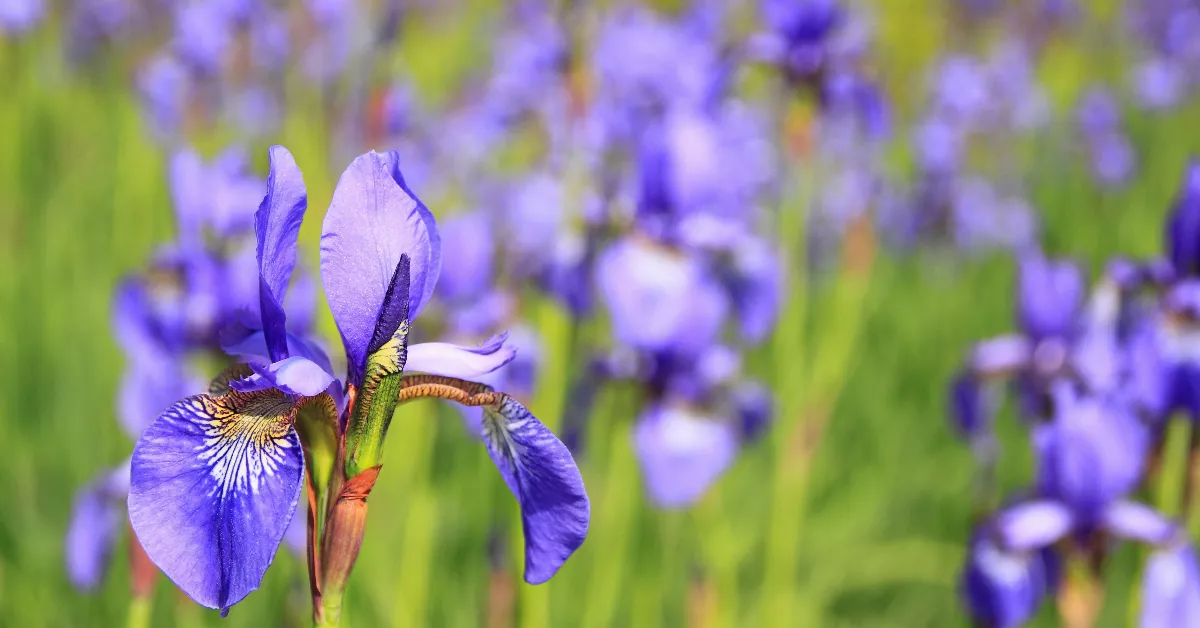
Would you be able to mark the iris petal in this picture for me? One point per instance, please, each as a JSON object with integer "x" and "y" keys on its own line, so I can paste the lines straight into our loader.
{"x": 277, "y": 225}
{"x": 295, "y": 376}
{"x": 1138, "y": 522}
{"x": 95, "y": 521}
{"x": 1033, "y": 525}
{"x": 373, "y": 220}
{"x": 541, "y": 473}
{"x": 214, "y": 484}
{"x": 682, "y": 453}
{"x": 443, "y": 358}
{"x": 255, "y": 346}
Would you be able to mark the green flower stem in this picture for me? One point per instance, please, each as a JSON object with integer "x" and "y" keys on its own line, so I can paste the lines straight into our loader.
{"x": 139, "y": 612}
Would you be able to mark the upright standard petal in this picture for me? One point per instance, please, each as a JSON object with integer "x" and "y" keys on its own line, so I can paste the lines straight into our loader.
{"x": 214, "y": 484}
{"x": 277, "y": 225}
{"x": 372, "y": 221}
{"x": 541, "y": 473}
{"x": 1050, "y": 294}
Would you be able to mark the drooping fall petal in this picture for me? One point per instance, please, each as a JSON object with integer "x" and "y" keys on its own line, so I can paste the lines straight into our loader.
{"x": 214, "y": 484}
{"x": 543, "y": 476}
{"x": 277, "y": 225}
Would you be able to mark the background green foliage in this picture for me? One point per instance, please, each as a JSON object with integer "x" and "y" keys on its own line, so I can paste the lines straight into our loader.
{"x": 852, "y": 513}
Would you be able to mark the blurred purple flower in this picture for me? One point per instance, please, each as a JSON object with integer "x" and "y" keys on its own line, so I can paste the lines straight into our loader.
{"x": 18, "y": 16}
{"x": 981, "y": 218}
{"x": 1090, "y": 455}
{"x": 270, "y": 41}
{"x": 1089, "y": 458}
{"x": 468, "y": 273}
{"x": 682, "y": 452}
{"x": 659, "y": 298}
{"x": 220, "y": 195}
{"x": 528, "y": 60}
{"x": 1003, "y": 589}
{"x": 534, "y": 216}
{"x": 800, "y": 33}
{"x": 1097, "y": 112}
{"x": 754, "y": 280}
{"x": 164, "y": 85}
{"x": 754, "y": 407}
{"x": 1112, "y": 159}
{"x": 643, "y": 63}
{"x": 961, "y": 90}
{"x": 938, "y": 145}
{"x": 203, "y": 34}
{"x": 1171, "y": 588}
{"x": 1183, "y": 225}
{"x": 972, "y": 407}
{"x": 1050, "y": 294}
{"x": 1159, "y": 83}
{"x": 97, "y": 518}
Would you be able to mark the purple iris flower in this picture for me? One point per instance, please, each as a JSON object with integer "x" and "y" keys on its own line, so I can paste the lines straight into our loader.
{"x": 1049, "y": 297}
{"x": 1002, "y": 588}
{"x": 164, "y": 85}
{"x": 468, "y": 274}
{"x": 18, "y": 16}
{"x": 800, "y": 35}
{"x": 219, "y": 195}
{"x": 1112, "y": 158}
{"x": 1098, "y": 112}
{"x": 97, "y": 519}
{"x": 1112, "y": 155}
{"x": 1183, "y": 226}
{"x": 660, "y": 298}
{"x": 642, "y": 64}
{"x": 1171, "y": 588}
{"x": 982, "y": 218}
{"x": 216, "y": 479}
{"x": 1159, "y": 83}
{"x": 153, "y": 341}
{"x": 711, "y": 160}
{"x": 972, "y": 406}
{"x": 1090, "y": 457}
{"x": 530, "y": 56}
{"x": 203, "y": 34}
{"x": 682, "y": 451}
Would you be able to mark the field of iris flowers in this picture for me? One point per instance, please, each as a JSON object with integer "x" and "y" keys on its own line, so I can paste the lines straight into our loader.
{"x": 848, "y": 313}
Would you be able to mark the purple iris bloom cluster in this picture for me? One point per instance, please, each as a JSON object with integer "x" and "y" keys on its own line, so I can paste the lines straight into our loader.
{"x": 1096, "y": 379}
{"x": 1110, "y": 152}
{"x": 683, "y": 275}
{"x": 973, "y": 101}
{"x": 819, "y": 46}
{"x": 217, "y": 63}
{"x": 1168, "y": 32}
{"x": 643, "y": 206}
